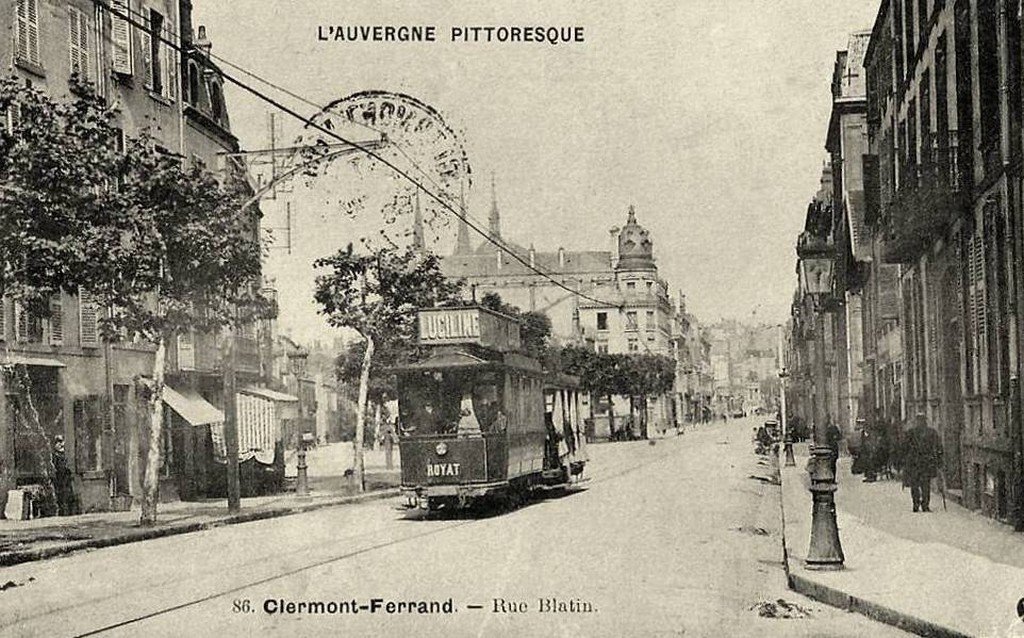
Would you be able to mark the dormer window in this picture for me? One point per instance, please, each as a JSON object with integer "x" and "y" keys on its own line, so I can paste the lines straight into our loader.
{"x": 193, "y": 83}
{"x": 216, "y": 100}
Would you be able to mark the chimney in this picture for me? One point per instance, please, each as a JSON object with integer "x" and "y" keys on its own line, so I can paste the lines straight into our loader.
{"x": 561, "y": 257}
{"x": 500, "y": 255}
{"x": 533, "y": 256}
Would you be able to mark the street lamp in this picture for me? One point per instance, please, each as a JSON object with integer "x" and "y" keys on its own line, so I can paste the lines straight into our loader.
{"x": 817, "y": 258}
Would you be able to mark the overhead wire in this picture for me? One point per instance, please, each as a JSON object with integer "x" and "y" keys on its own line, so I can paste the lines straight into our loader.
{"x": 367, "y": 151}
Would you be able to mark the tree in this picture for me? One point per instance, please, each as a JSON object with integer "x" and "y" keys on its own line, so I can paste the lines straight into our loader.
{"x": 164, "y": 248}
{"x": 376, "y": 294}
{"x": 646, "y": 375}
{"x": 534, "y": 326}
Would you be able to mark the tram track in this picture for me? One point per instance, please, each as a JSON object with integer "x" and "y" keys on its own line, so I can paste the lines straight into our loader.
{"x": 447, "y": 525}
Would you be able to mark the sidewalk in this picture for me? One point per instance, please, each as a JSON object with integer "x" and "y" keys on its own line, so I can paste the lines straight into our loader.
{"x": 945, "y": 573}
{"x": 42, "y": 538}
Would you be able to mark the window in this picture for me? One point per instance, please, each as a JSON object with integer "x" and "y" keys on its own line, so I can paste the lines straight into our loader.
{"x": 217, "y": 103}
{"x": 633, "y": 345}
{"x": 121, "y": 37}
{"x": 193, "y": 83}
{"x": 650, "y": 286}
{"x": 152, "y": 65}
{"x": 78, "y": 43}
{"x": 602, "y": 348}
{"x": 28, "y": 323}
{"x": 650, "y": 320}
{"x": 88, "y": 328}
{"x": 56, "y": 322}
{"x": 26, "y": 32}
{"x": 630, "y": 285}
{"x": 602, "y": 321}
{"x": 631, "y": 320}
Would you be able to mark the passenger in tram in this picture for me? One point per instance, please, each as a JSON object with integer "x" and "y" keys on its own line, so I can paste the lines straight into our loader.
{"x": 468, "y": 423}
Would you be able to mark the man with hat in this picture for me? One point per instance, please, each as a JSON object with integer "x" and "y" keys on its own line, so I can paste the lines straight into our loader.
{"x": 922, "y": 459}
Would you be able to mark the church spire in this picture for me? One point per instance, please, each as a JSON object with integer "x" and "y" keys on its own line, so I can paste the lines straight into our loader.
{"x": 494, "y": 221}
{"x": 462, "y": 245}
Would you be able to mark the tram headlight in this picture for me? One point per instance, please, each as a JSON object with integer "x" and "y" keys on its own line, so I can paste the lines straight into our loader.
{"x": 441, "y": 449}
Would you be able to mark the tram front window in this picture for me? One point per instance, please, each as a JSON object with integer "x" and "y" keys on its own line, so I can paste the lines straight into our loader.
{"x": 448, "y": 402}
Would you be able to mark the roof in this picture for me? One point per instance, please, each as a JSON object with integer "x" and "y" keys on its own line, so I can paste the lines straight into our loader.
{"x": 192, "y": 407}
{"x": 482, "y": 265}
{"x": 273, "y": 395}
{"x": 457, "y": 359}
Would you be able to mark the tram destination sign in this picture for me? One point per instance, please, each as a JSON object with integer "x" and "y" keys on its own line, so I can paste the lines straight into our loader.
{"x": 443, "y": 326}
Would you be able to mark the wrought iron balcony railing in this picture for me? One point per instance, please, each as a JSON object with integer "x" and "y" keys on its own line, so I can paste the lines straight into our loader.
{"x": 931, "y": 195}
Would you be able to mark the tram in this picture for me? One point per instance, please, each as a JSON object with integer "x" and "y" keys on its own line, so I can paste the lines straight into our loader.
{"x": 478, "y": 419}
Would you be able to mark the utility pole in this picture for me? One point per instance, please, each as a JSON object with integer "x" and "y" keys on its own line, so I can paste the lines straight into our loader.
{"x": 787, "y": 445}
{"x": 231, "y": 423}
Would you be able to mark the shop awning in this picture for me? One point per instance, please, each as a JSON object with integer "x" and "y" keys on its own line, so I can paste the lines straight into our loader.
{"x": 32, "y": 361}
{"x": 192, "y": 407}
{"x": 273, "y": 395}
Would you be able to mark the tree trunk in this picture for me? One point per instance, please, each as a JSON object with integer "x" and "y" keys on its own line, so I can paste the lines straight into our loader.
{"x": 6, "y": 445}
{"x": 151, "y": 476}
{"x": 611, "y": 416}
{"x": 376, "y": 426}
{"x": 364, "y": 382}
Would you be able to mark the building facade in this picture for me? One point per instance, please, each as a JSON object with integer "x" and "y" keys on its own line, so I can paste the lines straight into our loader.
{"x": 64, "y": 379}
{"x": 635, "y": 313}
{"x": 944, "y": 211}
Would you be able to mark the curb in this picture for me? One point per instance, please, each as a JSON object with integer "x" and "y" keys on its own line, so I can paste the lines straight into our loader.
{"x": 848, "y": 602}
{"x": 9, "y": 559}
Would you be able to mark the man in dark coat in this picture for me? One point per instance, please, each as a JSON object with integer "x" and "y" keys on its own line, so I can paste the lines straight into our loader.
{"x": 922, "y": 457}
{"x": 63, "y": 480}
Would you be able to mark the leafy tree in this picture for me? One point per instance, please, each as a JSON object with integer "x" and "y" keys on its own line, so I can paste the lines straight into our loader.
{"x": 376, "y": 294}
{"x": 167, "y": 248}
{"x": 646, "y": 375}
{"x": 534, "y": 326}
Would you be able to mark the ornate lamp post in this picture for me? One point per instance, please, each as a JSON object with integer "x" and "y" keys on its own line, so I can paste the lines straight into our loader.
{"x": 817, "y": 258}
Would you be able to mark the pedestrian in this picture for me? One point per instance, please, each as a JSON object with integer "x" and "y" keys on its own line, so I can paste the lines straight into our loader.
{"x": 922, "y": 457}
{"x": 63, "y": 480}
{"x": 833, "y": 436}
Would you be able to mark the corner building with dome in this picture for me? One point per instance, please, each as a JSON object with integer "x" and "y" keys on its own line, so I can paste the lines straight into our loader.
{"x": 635, "y": 314}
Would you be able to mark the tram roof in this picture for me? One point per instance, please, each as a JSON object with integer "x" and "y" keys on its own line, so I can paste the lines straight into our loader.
{"x": 461, "y": 359}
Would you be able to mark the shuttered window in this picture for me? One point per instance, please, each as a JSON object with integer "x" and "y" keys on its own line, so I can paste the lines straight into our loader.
{"x": 121, "y": 36}
{"x": 28, "y": 325}
{"x": 79, "y": 27}
{"x": 169, "y": 62}
{"x": 56, "y": 322}
{"x": 12, "y": 118}
{"x": 3, "y": 319}
{"x": 26, "y": 32}
{"x": 146, "y": 39}
{"x": 88, "y": 323}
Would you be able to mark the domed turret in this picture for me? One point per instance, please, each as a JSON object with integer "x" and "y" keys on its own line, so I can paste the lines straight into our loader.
{"x": 636, "y": 252}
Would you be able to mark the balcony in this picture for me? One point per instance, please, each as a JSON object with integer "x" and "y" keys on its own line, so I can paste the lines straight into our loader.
{"x": 204, "y": 353}
{"x": 931, "y": 195}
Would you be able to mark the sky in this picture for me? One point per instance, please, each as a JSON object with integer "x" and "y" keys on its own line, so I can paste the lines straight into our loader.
{"x": 708, "y": 116}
